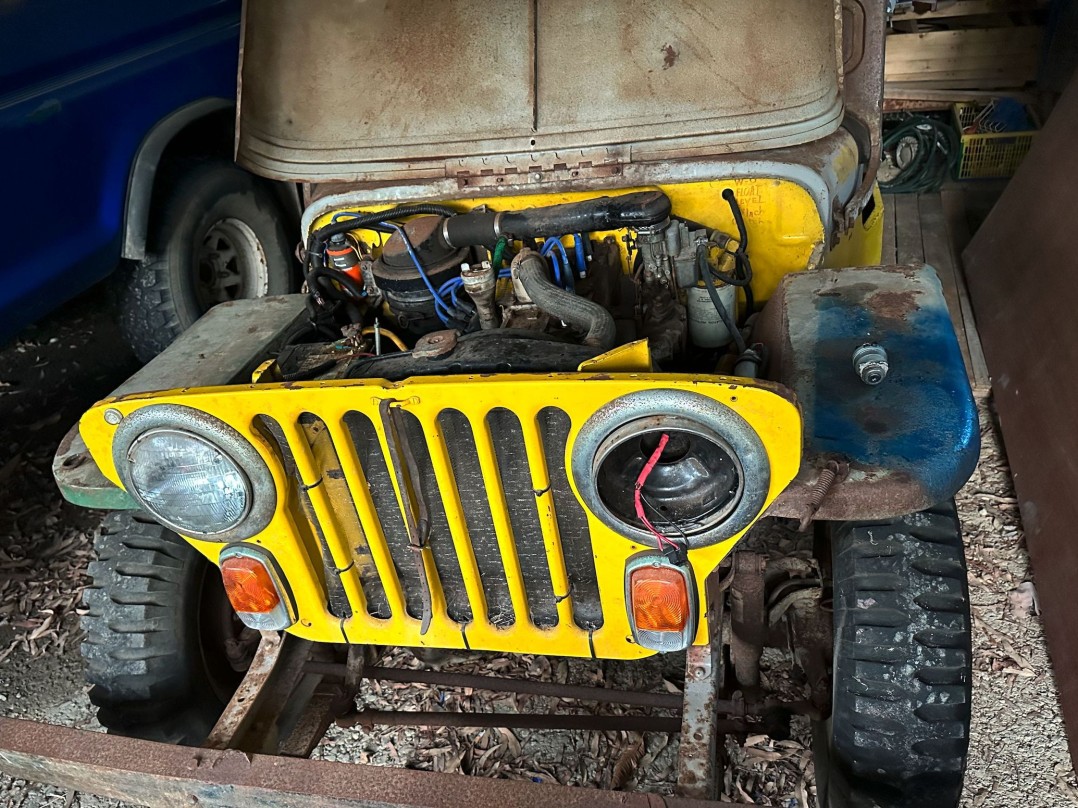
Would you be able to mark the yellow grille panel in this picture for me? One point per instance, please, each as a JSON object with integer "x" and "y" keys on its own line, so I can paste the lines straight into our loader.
{"x": 514, "y": 580}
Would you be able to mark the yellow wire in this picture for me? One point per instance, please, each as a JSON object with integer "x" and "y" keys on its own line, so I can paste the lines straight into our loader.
{"x": 387, "y": 333}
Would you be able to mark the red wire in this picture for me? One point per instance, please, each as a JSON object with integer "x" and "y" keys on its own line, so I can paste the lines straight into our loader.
{"x": 638, "y": 501}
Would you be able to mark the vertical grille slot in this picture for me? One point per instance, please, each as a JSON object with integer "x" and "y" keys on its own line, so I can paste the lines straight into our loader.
{"x": 508, "y": 538}
{"x": 369, "y": 452}
{"x": 507, "y": 437}
{"x": 336, "y": 598}
{"x": 554, "y": 425}
{"x": 464, "y": 458}
{"x": 322, "y": 444}
{"x": 440, "y": 540}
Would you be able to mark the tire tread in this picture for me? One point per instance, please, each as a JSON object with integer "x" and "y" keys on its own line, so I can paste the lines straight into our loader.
{"x": 901, "y": 712}
{"x": 141, "y": 650}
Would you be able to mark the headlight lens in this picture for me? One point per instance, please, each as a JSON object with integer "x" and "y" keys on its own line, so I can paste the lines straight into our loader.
{"x": 187, "y": 482}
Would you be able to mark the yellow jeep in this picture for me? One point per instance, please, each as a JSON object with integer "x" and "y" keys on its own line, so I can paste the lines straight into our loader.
{"x": 590, "y": 290}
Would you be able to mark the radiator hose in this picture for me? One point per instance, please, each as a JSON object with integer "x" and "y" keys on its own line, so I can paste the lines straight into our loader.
{"x": 530, "y": 270}
{"x": 634, "y": 210}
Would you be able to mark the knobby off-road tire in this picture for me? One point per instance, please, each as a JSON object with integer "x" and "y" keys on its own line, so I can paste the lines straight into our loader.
{"x": 153, "y": 653}
{"x": 899, "y": 729}
{"x": 217, "y": 233}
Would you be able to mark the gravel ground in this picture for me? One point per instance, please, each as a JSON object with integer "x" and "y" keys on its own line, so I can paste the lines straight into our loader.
{"x": 1018, "y": 753}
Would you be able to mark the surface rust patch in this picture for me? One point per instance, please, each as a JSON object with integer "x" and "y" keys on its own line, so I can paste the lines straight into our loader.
{"x": 669, "y": 56}
{"x": 893, "y": 305}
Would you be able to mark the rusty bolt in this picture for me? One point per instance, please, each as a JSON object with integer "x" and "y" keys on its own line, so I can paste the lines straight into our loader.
{"x": 698, "y": 736}
{"x": 113, "y": 416}
{"x": 870, "y": 363}
{"x": 699, "y": 673}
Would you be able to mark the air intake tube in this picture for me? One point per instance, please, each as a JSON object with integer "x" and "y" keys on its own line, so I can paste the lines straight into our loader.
{"x": 530, "y": 270}
{"x": 635, "y": 210}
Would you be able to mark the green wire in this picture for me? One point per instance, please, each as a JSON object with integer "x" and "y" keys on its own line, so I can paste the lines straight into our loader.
{"x": 499, "y": 251}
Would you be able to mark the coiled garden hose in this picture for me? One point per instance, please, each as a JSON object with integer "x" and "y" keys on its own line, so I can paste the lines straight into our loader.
{"x": 934, "y": 159}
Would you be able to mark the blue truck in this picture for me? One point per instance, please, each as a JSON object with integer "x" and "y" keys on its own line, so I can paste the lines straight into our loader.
{"x": 116, "y": 134}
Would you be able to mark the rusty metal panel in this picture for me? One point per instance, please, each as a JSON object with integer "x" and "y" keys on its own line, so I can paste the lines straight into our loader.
{"x": 370, "y": 92}
{"x": 322, "y": 80}
{"x": 165, "y": 776}
{"x": 681, "y": 68}
{"x": 902, "y": 445}
{"x": 222, "y": 347}
{"x": 1021, "y": 268}
{"x": 863, "y": 33}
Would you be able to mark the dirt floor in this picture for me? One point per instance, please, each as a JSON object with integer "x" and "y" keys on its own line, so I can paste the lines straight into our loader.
{"x": 1018, "y": 754}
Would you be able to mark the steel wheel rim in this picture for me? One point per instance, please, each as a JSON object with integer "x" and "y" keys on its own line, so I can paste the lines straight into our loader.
{"x": 230, "y": 265}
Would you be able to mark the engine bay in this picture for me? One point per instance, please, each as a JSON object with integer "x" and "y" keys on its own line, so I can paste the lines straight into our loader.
{"x": 422, "y": 289}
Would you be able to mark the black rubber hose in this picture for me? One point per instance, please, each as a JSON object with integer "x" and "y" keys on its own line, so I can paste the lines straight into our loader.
{"x": 739, "y": 220}
{"x": 635, "y": 210}
{"x": 323, "y": 278}
{"x": 531, "y": 271}
{"x": 702, "y": 251}
{"x": 741, "y": 254}
{"x": 472, "y": 229}
{"x": 704, "y": 269}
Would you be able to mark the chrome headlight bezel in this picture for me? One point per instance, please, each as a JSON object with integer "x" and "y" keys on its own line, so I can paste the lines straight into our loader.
{"x": 714, "y": 417}
{"x": 156, "y": 418}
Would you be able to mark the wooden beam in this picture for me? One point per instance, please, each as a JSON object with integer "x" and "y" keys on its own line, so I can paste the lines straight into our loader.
{"x": 967, "y": 8}
{"x": 890, "y": 253}
{"x": 995, "y": 54}
{"x": 918, "y": 92}
{"x": 909, "y": 247}
{"x": 936, "y": 242}
{"x": 954, "y": 211}
{"x": 994, "y": 87}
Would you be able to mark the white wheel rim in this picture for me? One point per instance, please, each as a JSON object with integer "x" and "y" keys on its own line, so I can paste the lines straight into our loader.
{"x": 231, "y": 264}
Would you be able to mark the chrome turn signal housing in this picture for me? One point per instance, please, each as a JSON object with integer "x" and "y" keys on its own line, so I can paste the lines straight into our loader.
{"x": 661, "y": 601}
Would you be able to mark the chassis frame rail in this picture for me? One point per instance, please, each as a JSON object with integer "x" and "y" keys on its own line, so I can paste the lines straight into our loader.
{"x": 256, "y": 755}
{"x": 166, "y": 776}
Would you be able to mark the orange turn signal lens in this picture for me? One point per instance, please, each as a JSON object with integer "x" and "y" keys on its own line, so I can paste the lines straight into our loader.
{"x": 660, "y": 599}
{"x": 249, "y": 585}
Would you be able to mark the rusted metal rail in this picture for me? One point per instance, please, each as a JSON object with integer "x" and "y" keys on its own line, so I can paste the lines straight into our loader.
{"x": 602, "y": 723}
{"x": 166, "y": 776}
{"x": 295, "y": 689}
{"x": 606, "y": 695}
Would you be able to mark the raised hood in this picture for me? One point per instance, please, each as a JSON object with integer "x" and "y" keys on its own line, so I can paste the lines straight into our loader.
{"x": 376, "y": 91}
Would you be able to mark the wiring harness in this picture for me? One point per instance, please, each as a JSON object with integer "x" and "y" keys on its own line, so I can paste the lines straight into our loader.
{"x": 675, "y": 551}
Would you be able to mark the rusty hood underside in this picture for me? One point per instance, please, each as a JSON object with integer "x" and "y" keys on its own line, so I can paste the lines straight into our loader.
{"x": 376, "y": 91}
